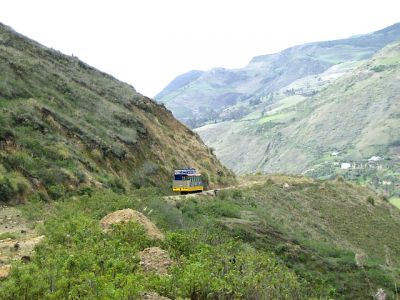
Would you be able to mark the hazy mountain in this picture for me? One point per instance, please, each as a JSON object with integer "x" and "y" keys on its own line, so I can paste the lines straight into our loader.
{"x": 197, "y": 98}
{"x": 65, "y": 125}
{"x": 349, "y": 119}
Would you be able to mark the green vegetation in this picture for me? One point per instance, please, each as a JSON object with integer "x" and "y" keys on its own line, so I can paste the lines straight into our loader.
{"x": 78, "y": 260}
{"x": 283, "y": 238}
{"x": 395, "y": 201}
{"x": 350, "y": 118}
{"x": 65, "y": 126}
{"x": 71, "y": 133}
{"x": 7, "y": 235}
{"x": 298, "y": 106}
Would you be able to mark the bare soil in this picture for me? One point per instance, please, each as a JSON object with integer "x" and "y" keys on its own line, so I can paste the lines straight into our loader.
{"x": 18, "y": 238}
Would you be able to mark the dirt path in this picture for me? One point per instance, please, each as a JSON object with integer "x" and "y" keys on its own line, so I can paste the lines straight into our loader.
{"x": 17, "y": 235}
{"x": 242, "y": 182}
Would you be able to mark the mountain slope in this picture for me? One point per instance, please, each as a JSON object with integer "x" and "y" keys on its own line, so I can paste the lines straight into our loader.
{"x": 356, "y": 116}
{"x": 276, "y": 237}
{"x": 205, "y": 97}
{"x": 65, "y": 125}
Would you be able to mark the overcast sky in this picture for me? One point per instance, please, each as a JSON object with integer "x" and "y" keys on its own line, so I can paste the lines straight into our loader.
{"x": 148, "y": 43}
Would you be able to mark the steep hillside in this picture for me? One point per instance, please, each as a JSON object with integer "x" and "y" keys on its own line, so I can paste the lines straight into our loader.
{"x": 349, "y": 121}
{"x": 205, "y": 97}
{"x": 65, "y": 126}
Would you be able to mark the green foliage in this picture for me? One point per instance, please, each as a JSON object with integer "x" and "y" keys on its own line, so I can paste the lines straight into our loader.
{"x": 222, "y": 246}
{"x": 222, "y": 209}
{"x": 379, "y": 68}
{"x": 56, "y": 191}
{"x": 228, "y": 271}
{"x": 78, "y": 260}
{"x": 65, "y": 125}
{"x": 371, "y": 200}
{"x": 6, "y": 191}
{"x": 7, "y": 235}
{"x": 13, "y": 187}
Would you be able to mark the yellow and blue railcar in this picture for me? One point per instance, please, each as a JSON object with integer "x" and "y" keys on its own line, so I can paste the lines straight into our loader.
{"x": 187, "y": 181}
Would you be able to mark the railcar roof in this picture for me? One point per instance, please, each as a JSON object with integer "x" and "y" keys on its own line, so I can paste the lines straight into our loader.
{"x": 198, "y": 174}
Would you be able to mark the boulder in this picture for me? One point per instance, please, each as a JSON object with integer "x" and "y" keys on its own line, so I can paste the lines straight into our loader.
{"x": 155, "y": 260}
{"x": 127, "y": 215}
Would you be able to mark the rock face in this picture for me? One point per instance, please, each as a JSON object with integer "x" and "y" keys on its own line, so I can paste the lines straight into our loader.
{"x": 155, "y": 260}
{"x": 153, "y": 296}
{"x": 127, "y": 215}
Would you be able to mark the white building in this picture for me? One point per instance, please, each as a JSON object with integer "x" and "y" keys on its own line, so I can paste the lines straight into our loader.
{"x": 345, "y": 166}
{"x": 375, "y": 158}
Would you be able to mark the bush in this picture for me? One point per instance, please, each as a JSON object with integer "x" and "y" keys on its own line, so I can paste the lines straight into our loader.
{"x": 6, "y": 190}
{"x": 118, "y": 185}
{"x": 229, "y": 271}
{"x": 205, "y": 178}
{"x": 379, "y": 68}
{"x": 221, "y": 208}
{"x": 56, "y": 191}
{"x": 371, "y": 200}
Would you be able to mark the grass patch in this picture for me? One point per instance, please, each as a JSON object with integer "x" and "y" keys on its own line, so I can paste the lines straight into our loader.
{"x": 8, "y": 235}
{"x": 395, "y": 201}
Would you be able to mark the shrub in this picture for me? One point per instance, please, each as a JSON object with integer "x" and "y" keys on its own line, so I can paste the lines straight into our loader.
{"x": 384, "y": 198}
{"x": 229, "y": 271}
{"x": 379, "y": 68}
{"x": 222, "y": 209}
{"x": 205, "y": 178}
{"x": 56, "y": 191}
{"x": 371, "y": 200}
{"x": 118, "y": 185}
{"x": 7, "y": 235}
{"x": 6, "y": 190}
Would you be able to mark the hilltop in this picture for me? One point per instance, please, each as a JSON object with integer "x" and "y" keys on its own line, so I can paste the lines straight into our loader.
{"x": 66, "y": 126}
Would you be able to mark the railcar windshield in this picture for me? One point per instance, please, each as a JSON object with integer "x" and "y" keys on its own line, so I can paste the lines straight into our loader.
{"x": 180, "y": 177}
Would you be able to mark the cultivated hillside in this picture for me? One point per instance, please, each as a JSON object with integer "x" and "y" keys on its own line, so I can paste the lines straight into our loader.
{"x": 349, "y": 120}
{"x": 197, "y": 98}
{"x": 65, "y": 126}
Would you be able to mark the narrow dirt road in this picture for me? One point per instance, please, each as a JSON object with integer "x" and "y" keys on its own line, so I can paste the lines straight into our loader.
{"x": 242, "y": 182}
{"x": 18, "y": 238}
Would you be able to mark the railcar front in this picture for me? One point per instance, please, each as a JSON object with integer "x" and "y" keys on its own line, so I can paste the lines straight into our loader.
{"x": 187, "y": 181}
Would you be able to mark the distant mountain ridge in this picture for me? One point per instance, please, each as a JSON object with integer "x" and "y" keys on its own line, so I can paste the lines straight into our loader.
{"x": 205, "y": 97}
{"x": 348, "y": 119}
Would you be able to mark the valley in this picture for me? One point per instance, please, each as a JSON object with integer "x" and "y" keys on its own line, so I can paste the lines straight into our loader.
{"x": 86, "y": 164}
{"x": 292, "y": 121}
